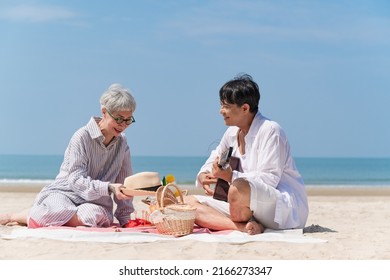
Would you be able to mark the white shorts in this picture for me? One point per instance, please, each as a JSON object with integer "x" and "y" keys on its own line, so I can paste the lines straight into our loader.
{"x": 262, "y": 203}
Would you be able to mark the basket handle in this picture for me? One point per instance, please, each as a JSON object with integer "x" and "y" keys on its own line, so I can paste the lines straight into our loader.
{"x": 164, "y": 191}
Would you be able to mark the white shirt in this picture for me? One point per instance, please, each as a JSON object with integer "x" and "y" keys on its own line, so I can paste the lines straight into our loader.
{"x": 267, "y": 162}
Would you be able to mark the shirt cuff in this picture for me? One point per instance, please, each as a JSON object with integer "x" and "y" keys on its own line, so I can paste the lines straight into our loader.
{"x": 104, "y": 189}
{"x": 197, "y": 182}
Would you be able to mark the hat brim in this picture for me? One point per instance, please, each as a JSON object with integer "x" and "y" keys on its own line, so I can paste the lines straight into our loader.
{"x": 131, "y": 192}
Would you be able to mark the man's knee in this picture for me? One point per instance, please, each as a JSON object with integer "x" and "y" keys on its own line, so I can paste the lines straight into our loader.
{"x": 239, "y": 192}
{"x": 239, "y": 201}
{"x": 190, "y": 199}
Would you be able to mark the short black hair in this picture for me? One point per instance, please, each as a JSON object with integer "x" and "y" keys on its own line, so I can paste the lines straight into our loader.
{"x": 241, "y": 90}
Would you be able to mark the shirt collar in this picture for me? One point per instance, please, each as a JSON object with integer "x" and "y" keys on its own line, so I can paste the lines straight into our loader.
{"x": 93, "y": 128}
{"x": 257, "y": 121}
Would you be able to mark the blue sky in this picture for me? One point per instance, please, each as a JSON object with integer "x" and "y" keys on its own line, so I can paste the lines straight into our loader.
{"x": 323, "y": 68}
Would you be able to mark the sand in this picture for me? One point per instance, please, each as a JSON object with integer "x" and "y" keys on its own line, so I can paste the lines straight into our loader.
{"x": 355, "y": 221}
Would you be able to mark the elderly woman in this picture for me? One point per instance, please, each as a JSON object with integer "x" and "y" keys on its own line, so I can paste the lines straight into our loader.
{"x": 96, "y": 163}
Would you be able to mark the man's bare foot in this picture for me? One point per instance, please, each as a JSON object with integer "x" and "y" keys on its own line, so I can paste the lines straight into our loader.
{"x": 5, "y": 219}
{"x": 252, "y": 227}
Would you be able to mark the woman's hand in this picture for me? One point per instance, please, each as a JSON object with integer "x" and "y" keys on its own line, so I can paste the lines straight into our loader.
{"x": 116, "y": 190}
{"x": 207, "y": 179}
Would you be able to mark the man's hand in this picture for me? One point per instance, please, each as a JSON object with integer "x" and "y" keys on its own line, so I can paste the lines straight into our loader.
{"x": 224, "y": 174}
{"x": 207, "y": 179}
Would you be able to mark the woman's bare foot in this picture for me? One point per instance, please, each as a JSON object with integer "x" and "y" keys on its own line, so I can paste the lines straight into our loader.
{"x": 5, "y": 219}
{"x": 252, "y": 227}
{"x": 19, "y": 218}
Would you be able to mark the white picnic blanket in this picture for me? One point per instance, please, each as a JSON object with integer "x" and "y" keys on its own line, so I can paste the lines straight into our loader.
{"x": 143, "y": 236}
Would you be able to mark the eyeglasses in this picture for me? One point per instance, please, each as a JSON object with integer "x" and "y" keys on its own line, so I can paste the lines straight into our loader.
{"x": 120, "y": 120}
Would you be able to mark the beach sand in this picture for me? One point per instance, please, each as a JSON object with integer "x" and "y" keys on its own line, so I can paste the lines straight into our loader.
{"x": 354, "y": 221}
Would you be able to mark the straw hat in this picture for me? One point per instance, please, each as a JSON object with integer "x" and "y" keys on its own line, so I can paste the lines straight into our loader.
{"x": 143, "y": 183}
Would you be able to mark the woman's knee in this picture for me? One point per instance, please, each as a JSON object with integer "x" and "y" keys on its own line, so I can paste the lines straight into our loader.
{"x": 94, "y": 215}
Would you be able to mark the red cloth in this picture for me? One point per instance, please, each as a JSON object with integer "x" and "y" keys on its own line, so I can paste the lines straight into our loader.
{"x": 130, "y": 223}
{"x": 137, "y": 222}
{"x": 32, "y": 224}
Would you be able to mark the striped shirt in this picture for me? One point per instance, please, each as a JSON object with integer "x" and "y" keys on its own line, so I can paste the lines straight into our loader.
{"x": 82, "y": 183}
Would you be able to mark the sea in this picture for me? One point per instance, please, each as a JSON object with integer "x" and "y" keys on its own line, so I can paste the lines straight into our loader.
{"x": 316, "y": 171}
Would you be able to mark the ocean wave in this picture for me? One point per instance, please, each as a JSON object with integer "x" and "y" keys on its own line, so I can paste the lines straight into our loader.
{"x": 25, "y": 181}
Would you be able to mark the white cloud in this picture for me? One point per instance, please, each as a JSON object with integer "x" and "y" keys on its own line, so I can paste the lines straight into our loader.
{"x": 330, "y": 23}
{"x": 35, "y": 13}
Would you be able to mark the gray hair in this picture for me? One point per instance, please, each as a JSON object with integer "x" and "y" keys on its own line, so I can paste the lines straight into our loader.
{"x": 117, "y": 98}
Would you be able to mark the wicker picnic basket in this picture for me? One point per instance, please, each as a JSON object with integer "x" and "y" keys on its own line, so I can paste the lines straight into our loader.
{"x": 173, "y": 216}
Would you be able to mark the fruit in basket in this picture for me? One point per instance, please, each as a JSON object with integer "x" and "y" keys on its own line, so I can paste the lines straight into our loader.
{"x": 170, "y": 178}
